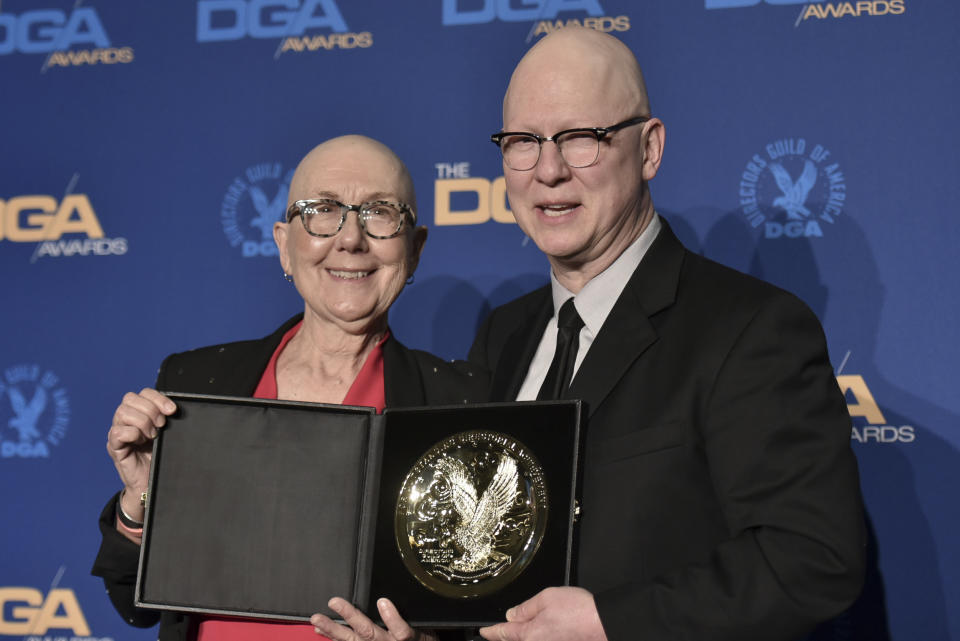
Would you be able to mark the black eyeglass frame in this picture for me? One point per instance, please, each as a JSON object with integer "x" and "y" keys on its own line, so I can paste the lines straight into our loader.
{"x": 298, "y": 208}
{"x": 599, "y": 132}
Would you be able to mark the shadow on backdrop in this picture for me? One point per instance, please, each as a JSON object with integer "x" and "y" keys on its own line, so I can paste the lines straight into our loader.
{"x": 441, "y": 314}
{"x": 507, "y": 290}
{"x": 837, "y": 276}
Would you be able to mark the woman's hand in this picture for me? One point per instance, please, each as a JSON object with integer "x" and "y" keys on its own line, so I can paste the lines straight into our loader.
{"x": 130, "y": 442}
{"x": 360, "y": 628}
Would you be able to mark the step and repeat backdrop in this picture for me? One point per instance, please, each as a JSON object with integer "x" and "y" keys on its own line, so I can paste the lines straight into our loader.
{"x": 147, "y": 148}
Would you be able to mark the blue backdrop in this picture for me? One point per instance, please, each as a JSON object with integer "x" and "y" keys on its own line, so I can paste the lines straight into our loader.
{"x": 147, "y": 147}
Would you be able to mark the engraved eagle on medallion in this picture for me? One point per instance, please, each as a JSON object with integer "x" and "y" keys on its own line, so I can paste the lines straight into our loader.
{"x": 471, "y": 514}
{"x": 479, "y": 519}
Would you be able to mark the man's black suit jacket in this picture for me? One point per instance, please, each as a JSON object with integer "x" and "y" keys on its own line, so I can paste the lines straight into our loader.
{"x": 720, "y": 495}
{"x": 412, "y": 378}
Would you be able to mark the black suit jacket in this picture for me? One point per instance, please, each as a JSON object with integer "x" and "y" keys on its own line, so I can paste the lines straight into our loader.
{"x": 412, "y": 378}
{"x": 720, "y": 494}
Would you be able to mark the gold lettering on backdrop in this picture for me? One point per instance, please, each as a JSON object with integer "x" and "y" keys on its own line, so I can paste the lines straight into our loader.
{"x": 45, "y": 220}
{"x": 108, "y": 56}
{"x": 363, "y": 40}
{"x": 601, "y": 23}
{"x": 490, "y": 195}
{"x": 31, "y": 614}
{"x": 864, "y": 405}
{"x": 856, "y": 9}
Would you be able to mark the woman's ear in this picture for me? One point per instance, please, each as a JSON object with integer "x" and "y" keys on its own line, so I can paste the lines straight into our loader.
{"x": 280, "y": 232}
{"x": 419, "y": 240}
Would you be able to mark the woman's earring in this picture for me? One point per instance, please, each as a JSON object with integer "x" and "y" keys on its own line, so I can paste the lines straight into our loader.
{"x": 410, "y": 280}
{"x": 287, "y": 277}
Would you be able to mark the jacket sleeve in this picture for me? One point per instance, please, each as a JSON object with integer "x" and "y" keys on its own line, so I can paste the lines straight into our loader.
{"x": 116, "y": 564}
{"x": 118, "y": 558}
{"x": 776, "y": 439}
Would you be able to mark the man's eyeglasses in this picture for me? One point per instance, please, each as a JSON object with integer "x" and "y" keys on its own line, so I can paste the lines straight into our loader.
{"x": 578, "y": 147}
{"x": 324, "y": 217}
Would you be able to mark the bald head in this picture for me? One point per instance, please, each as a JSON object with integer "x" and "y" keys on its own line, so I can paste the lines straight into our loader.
{"x": 582, "y": 216}
{"x": 580, "y": 61}
{"x": 367, "y": 167}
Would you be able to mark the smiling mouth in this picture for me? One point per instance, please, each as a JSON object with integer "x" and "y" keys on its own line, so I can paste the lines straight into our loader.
{"x": 348, "y": 275}
{"x": 557, "y": 210}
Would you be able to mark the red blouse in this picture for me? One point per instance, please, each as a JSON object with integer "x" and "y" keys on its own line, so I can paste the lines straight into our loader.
{"x": 367, "y": 391}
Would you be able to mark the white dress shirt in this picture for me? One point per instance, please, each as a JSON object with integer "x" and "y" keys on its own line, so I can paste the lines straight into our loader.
{"x": 593, "y": 303}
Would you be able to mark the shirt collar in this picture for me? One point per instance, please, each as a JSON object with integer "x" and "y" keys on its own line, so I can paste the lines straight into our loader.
{"x": 597, "y": 298}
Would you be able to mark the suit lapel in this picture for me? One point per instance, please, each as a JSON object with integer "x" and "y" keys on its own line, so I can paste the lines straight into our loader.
{"x": 628, "y": 330}
{"x": 519, "y": 349}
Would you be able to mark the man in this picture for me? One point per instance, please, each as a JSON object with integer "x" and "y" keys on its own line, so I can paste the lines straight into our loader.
{"x": 720, "y": 496}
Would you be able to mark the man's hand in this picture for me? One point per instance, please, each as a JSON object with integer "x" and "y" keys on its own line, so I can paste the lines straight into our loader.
{"x": 361, "y": 628}
{"x": 555, "y": 614}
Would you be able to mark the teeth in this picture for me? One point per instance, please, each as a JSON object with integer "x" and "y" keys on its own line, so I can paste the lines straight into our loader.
{"x": 557, "y": 210}
{"x": 349, "y": 275}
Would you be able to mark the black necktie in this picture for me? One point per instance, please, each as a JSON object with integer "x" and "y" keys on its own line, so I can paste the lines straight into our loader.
{"x": 558, "y": 377}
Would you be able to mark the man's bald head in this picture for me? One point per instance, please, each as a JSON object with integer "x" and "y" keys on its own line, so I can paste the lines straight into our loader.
{"x": 357, "y": 159}
{"x": 587, "y": 61}
{"x": 582, "y": 216}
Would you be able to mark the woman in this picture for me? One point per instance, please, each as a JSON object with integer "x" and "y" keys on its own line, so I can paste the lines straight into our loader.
{"x": 349, "y": 269}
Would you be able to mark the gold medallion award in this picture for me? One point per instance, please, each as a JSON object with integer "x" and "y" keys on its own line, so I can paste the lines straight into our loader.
{"x": 471, "y": 514}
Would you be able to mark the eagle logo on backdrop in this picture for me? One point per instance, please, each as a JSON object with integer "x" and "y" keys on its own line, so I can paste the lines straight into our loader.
{"x": 27, "y": 413}
{"x": 791, "y": 189}
{"x": 254, "y": 201}
{"x": 34, "y": 412}
{"x": 268, "y": 211}
{"x": 794, "y": 193}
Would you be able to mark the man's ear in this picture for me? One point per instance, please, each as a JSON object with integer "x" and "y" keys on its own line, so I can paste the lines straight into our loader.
{"x": 653, "y": 141}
